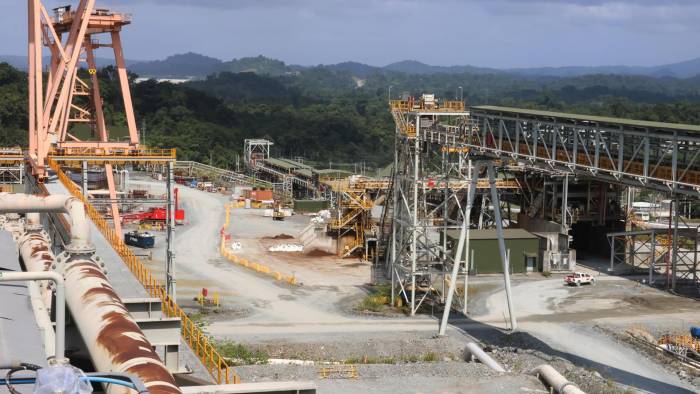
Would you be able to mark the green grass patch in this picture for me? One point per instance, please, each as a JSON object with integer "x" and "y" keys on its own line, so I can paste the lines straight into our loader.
{"x": 378, "y": 299}
{"x": 239, "y": 354}
{"x": 430, "y": 357}
{"x": 414, "y": 358}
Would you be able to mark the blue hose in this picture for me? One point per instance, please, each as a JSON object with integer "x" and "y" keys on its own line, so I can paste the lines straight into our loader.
{"x": 93, "y": 379}
{"x": 98, "y": 379}
{"x": 3, "y": 382}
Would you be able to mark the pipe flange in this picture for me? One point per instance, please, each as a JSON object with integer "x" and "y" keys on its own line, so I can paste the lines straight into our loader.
{"x": 567, "y": 384}
{"x": 66, "y": 257}
{"x": 80, "y": 250}
{"x": 32, "y": 228}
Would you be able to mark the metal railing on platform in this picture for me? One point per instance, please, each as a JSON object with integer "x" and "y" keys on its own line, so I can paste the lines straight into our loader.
{"x": 198, "y": 341}
{"x": 101, "y": 154}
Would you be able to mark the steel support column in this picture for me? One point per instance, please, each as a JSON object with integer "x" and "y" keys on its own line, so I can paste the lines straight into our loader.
{"x": 463, "y": 237}
{"x": 170, "y": 234}
{"x": 502, "y": 245}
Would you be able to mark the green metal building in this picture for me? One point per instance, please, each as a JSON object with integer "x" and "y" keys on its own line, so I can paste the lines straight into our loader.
{"x": 484, "y": 255}
{"x": 312, "y": 206}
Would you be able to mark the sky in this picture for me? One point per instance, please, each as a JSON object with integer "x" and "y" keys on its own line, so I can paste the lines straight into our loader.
{"x": 487, "y": 33}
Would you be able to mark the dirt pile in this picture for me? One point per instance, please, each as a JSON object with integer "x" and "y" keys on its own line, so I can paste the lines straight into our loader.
{"x": 280, "y": 236}
{"x": 319, "y": 253}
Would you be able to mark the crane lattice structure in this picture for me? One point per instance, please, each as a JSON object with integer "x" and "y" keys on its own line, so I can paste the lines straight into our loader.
{"x": 63, "y": 97}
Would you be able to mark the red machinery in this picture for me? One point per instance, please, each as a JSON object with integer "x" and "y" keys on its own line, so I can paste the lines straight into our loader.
{"x": 157, "y": 214}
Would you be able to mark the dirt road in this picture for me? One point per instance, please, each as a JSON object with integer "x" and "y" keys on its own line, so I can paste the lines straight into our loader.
{"x": 264, "y": 309}
{"x": 563, "y": 318}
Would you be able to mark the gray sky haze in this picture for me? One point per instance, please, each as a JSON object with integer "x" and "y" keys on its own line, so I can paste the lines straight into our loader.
{"x": 487, "y": 33}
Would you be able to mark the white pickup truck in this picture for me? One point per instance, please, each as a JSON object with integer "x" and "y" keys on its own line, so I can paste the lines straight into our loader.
{"x": 578, "y": 279}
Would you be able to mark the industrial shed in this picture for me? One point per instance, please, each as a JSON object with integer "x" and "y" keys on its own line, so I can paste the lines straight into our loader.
{"x": 483, "y": 246}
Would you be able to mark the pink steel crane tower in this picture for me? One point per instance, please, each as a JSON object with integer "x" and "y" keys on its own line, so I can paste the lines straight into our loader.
{"x": 60, "y": 99}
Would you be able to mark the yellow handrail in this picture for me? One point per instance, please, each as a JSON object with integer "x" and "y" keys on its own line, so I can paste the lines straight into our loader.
{"x": 261, "y": 268}
{"x": 198, "y": 341}
{"x": 59, "y": 153}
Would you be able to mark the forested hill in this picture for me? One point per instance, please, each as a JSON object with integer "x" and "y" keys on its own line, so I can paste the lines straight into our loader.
{"x": 333, "y": 115}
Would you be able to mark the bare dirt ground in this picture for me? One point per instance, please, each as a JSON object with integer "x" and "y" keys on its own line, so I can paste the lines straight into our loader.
{"x": 565, "y": 321}
{"x": 317, "y": 321}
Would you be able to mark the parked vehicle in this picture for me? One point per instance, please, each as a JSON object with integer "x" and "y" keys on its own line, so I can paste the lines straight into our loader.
{"x": 140, "y": 240}
{"x": 578, "y": 279}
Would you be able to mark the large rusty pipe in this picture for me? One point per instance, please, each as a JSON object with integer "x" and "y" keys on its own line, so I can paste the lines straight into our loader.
{"x": 114, "y": 339}
{"x": 27, "y": 203}
{"x": 35, "y": 249}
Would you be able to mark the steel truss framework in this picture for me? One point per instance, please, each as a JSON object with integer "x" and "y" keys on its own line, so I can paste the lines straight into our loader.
{"x": 11, "y": 166}
{"x": 664, "y": 157}
{"x": 220, "y": 174}
{"x": 254, "y": 150}
{"x": 650, "y": 155}
{"x": 429, "y": 192}
{"x": 655, "y": 251}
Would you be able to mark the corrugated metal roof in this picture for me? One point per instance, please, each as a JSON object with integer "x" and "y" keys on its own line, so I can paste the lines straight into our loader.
{"x": 280, "y": 163}
{"x": 297, "y": 164}
{"x": 509, "y": 233}
{"x": 334, "y": 173}
{"x": 590, "y": 118}
{"x": 304, "y": 172}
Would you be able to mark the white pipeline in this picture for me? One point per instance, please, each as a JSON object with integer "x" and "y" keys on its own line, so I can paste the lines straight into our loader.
{"x": 475, "y": 351}
{"x": 43, "y": 320}
{"x": 556, "y": 381}
{"x": 27, "y": 203}
{"x": 60, "y": 302}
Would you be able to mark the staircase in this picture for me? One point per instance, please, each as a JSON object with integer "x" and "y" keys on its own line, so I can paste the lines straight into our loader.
{"x": 405, "y": 128}
{"x": 345, "y": 220}
{"x": 357, "y": 243}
